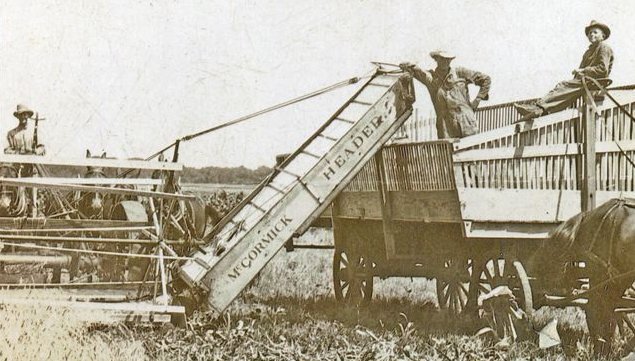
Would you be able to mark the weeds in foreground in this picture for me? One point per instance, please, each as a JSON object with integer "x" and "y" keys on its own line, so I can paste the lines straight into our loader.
{"x": 290, "y": 313}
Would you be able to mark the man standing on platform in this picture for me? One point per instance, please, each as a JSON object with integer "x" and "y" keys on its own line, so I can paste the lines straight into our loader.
{"x": 449, "y": 92}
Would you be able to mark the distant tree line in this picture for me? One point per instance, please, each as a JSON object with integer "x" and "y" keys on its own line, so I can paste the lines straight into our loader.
{"x": 235, "y": 175}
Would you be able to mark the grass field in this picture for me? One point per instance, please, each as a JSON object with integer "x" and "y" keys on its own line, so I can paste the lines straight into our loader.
{"x": 289, "y": 313}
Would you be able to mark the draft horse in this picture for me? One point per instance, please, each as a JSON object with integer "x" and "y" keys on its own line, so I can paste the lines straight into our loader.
{"x": 13, "y": 201}
{"x": 604, "y": 239}
{"x": 91, "y": 204}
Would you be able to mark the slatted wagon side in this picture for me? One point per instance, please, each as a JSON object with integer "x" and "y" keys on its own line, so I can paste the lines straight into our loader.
{"x": 469, "y": 212}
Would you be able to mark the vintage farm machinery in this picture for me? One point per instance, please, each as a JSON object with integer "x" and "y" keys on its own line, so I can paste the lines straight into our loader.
{"x": 107, "y": 237}
{"x": 469, "y": 213}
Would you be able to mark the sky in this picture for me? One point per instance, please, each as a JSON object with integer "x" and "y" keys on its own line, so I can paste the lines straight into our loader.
{"x": 129, "y": 77}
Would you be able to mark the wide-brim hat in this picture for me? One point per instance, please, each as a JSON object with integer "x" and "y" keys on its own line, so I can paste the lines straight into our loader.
{"x": 595, "y": 24}
{"x": 441, "y": 54}
{"x": 21, "y": 109}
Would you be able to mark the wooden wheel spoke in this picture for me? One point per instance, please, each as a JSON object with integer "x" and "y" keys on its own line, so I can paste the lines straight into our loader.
{"x": 465, "y": 288}
{"x": 628, "y": 323}
{"x": 488, "y": 277}
{"x": 452, "y": 285}
{"x": 344, "y": 285}
{"x": 352, "y": 279}
{"x": 343, "y": 260}
{"x": 499, "y": 271}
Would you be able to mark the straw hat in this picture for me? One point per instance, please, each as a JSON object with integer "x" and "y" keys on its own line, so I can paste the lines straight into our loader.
{"x": 441, "y": 54}
{"x": 22, "y": 109}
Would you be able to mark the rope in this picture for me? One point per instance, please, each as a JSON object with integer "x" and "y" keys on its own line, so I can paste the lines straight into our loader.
{"x": 106, "y": 253}
{"x": 310, "y": 95}
{"x": 275, "y": 107}
{"x": 605, "y": 92}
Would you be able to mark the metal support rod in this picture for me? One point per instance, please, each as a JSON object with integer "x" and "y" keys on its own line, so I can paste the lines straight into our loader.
{"x": 167, "y": 249}
{"x": 156, "y": 279}
{"x": 29, "y": 238}
{"x": 17, "y": 182}
{"x": 76, "y": 285}
{"x": 155, "y": 220}
{"x": 34, "y": 202}
{"x": 70, "y": 230}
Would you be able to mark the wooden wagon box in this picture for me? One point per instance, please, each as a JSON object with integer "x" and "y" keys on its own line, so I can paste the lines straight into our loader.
{"x": 512, "y": 181}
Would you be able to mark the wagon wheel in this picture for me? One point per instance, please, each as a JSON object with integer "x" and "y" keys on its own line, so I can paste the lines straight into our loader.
{"x": 453, "y": 285}
{"x": 502, "y": 317}
{"x": 626, "y": 332}
{"x": 625, "y": 323}
{"x": 497, "y": 272}
{"x": 352, "y": 277}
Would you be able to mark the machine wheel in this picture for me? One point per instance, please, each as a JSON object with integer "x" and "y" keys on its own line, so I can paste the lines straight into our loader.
{"x": 352, "y": 277}
{"x": 130, "y": 269}
{"x": 453, "y": 285}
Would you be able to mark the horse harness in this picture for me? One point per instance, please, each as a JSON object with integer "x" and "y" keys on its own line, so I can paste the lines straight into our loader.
{"x": 611, "y": 270}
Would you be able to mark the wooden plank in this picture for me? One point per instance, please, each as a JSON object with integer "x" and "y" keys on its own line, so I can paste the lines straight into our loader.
{"x": 540, "y": 151}
{"x": 45, "y": 223}
{"x": 589, "y": 187}
{"x": 34, "y": 259}
{"x": 525, "y": 229}
{"x": 426, "y": 206}
{"x": 103, "y": 312}
{"x": 525, "y": 206}
{"x": 502, "y": 230}
{"x": 94, "y": 162}
{"x": 623, "y": 96}
{"x": 521, "y": 152}
{"x": 103, "y": 240}
{"x": 385, "y": 205}
{"x": 18, "y": 182}
{"x": 518, "y": 205}
{"x": 66, "y": 294}
{"x": 100, "y": 181}
{"x": 510, "y": 130}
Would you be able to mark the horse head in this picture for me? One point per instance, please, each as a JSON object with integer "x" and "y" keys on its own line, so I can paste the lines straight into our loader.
{"x": 91, "y": 204}
{"x": 9, "y": 196}
{"x": 12, "y": 199}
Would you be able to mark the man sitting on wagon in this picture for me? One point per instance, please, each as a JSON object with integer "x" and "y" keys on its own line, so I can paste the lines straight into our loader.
{"x": 21, "y": 139}
{"x": 596, "y": 63}
{"x": 450, "y": 95}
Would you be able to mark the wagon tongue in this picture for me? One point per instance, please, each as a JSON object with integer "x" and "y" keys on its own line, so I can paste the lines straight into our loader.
{"x": 299, "y": 190}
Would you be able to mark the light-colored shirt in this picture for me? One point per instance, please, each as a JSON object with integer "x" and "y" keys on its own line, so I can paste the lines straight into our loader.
{"x": 20, "y": 140}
